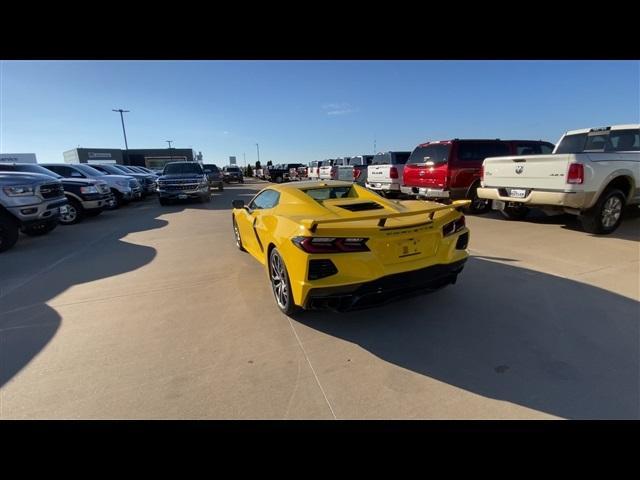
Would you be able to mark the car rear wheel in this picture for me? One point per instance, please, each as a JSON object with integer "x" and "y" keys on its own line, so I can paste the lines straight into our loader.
{"x": 606, "y": 215}
{"x": 8, "y": 232}
{"x": 220, "y": 188}
{"x": 280, "y": 283}
{"x": 478, "y": 205}
{"x": 236, "y": 234}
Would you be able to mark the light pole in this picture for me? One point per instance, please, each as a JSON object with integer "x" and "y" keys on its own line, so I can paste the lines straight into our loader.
{"x": 170, "y": 154}
{"x": 126, "y": 146}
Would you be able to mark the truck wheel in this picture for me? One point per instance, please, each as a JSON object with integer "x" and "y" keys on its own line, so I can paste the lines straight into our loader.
{"x": 478, "y": 205}
{"x": 278, "y": 179}
{"x": 220, "y": 188}
{"x": 606, "y": 214}
{"x": 40, "y": 228}
{"x": 75, "y": 213}
{"x": 8, "y": 232}
{"x": 117, "y": 196}
{"x": 515, "y": 213}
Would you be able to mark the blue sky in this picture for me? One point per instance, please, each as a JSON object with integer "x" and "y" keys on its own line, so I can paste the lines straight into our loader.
{"x": 304, "y": 110}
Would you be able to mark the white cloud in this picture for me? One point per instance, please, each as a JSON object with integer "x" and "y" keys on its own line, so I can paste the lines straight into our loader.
{"x": 338, "y": 108}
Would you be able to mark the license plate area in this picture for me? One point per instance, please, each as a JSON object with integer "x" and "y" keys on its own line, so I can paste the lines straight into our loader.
{"x": 182, "y": 196}
{"x": 517, "y": 192}
{"x": 409, "y": 247}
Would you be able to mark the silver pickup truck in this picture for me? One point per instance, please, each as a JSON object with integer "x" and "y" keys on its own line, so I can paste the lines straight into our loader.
{"x": 593, "y": 173}
{"x": 29, "y": 202}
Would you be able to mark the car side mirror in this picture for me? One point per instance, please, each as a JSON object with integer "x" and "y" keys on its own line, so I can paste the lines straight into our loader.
{"x": 238, "y": 203}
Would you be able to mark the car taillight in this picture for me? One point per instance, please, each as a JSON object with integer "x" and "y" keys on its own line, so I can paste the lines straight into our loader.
{"x": 331, "y": 244}
{"x": 356, "y": 173}
{"x": 393, "y": 172}
{"x": 576, "y": 173}
{"x": 453, "y": 227}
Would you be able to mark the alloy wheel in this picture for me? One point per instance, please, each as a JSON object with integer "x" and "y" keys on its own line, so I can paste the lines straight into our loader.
{"x": 278, "y": 281}
{"x": 611, "y": 211}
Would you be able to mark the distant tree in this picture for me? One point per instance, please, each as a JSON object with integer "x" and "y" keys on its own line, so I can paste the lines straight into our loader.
{"x": 258, "y": 166}
{"x": 249, "y": 171}
{"x": 269, "y": 163}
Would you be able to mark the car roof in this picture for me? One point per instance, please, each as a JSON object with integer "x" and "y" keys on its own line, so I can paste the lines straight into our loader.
{"x": 626, "y": 126}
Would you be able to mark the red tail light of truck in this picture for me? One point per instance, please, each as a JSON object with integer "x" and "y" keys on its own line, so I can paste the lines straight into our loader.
{"x": 393, "y": 172}
{"x": 576, "y": 173}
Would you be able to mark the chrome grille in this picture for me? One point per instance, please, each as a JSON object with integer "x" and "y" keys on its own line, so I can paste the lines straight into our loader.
{"x": 51, "y": 190}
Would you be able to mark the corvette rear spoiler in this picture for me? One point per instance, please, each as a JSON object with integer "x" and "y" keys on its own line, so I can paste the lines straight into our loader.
{"x": 312, "y": 225}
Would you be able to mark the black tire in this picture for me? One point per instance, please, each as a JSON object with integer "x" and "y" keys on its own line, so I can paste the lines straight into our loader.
{"x": 478, "y": 205}
{"x": 94, "y": 212}
{"x": 236, "y": 234}
{"x": 9, "y": 232}
{"x": 515, "y": 213}
{"x": 278, "y": 180}
{"x": 40, "y": 228}
{"x": 205, "y": 198}
{"x": 242, "y": 181}
{"x": 280, "y": 284}
{"x": 117, "y": 197}
{"x": 221, "y": 188}
{"x": 606, "y": 214}
{"x": 75, "y": 213}
{"x": 163, "y": 201}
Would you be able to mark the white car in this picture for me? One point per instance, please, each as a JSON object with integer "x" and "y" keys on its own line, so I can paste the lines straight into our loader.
{"x": 592, "y": 172}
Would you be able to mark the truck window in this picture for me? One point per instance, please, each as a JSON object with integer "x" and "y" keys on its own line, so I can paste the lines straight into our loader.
{"x": 381, "y": 159}
{"x": 477, "y": 151}
{"x": 625, "y": 140}
{"x": 437, "y": 153}
{"x": 400, "y": 158}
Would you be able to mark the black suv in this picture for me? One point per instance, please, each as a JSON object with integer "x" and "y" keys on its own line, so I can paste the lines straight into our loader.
{"x": 181, "y": 181}
{"x": 86, "y": 197}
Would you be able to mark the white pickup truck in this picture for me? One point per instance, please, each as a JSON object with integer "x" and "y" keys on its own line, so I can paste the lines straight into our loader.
{"x": 592, "y": 172}
{"x": 327, "y": 171}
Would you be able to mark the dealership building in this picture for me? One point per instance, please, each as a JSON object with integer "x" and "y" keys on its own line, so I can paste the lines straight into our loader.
{"x": 154, "y": 158}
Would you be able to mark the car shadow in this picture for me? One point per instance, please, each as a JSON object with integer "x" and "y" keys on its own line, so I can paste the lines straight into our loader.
{"x": 32, "y": 274}
{"x": 512, "y": 334}
{"x": 629, "y": 229}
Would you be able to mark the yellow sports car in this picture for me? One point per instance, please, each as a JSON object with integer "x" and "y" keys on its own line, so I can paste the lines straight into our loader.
{"x": 337, "y": 245}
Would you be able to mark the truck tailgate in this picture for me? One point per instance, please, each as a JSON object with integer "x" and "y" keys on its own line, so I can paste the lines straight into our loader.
{"x": 380, "y": 173}
{"x": 528, "y": 171}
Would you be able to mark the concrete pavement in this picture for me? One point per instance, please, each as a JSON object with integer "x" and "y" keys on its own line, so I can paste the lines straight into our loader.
{"x": 152, "y": 312}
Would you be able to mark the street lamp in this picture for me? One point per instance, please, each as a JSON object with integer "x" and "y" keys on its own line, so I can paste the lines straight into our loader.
{"x": 126, "y": 146}
{"x": 258, "y": 148}
{"x": 170, "y": 154}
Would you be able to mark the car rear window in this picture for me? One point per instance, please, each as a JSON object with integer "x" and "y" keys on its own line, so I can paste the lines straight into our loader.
{"x": 381, "y": 159}
{"x": 327, "y": 193}
{"x": 437, "y": 153}
{"x": 476, "y": 151}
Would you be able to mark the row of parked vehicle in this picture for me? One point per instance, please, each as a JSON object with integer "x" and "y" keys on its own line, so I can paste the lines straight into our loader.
{"x": 35, "y": 198}
{"x": 593, "y": 173}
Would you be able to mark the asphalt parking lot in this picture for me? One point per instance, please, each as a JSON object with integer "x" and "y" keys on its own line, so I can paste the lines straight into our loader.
{"x": 151, "y": 312}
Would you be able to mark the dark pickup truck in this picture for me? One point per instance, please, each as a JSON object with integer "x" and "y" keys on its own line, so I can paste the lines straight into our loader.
{"x": 86, "y": 197}
{"x": 182, "y": 181}
{"x": 281, "y": 173}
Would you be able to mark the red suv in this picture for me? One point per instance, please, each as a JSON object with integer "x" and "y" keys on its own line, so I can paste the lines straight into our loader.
{"x": 451, "y": 169}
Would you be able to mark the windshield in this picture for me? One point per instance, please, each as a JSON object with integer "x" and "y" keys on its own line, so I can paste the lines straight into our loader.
{"x": 111, "y": 169}
{"x": 87, "y": 170}
{"x": 321, "y": 194}
{"x": 233, "y": 169}
{"x": 182, "y": 168}
{"x": 572, "y": 143}
{"x": 30, "y": 168}
{"x": 437, "y": 153}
